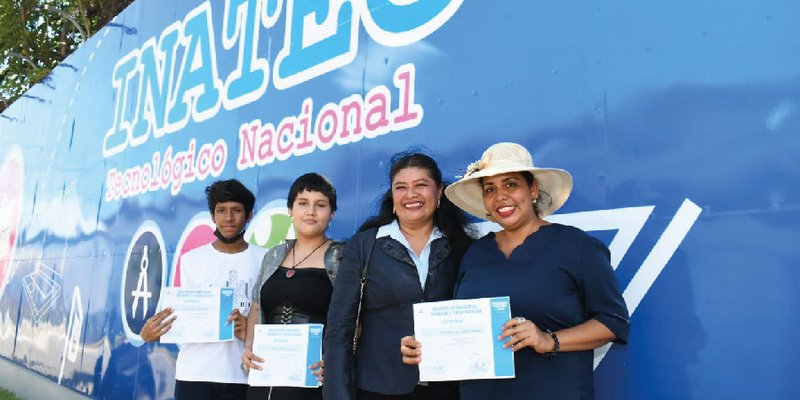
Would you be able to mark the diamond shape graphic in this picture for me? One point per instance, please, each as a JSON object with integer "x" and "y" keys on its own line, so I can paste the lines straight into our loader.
{"x": 41, "y": 289}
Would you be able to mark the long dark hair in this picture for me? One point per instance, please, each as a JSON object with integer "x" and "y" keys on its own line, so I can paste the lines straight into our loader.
{"x": 447, "y": 217}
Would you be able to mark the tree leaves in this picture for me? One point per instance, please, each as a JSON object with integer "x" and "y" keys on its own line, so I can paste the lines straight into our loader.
{"x": 35, "y": 35}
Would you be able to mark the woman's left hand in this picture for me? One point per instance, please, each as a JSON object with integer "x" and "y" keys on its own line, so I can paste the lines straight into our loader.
{"x": 524, "y": 333}
{"x": 317, "y": 369}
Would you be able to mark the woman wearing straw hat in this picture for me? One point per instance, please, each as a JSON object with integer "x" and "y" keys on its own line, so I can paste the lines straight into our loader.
{"x": 561, "y": 284}
{"x": 408, "y": 253}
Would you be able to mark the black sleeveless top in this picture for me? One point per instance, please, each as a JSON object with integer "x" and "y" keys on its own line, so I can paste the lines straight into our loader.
{"x": 308, "y": 292}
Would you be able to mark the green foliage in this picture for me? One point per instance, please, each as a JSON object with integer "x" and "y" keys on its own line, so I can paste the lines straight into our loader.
{"x": 35, "y": 35}
{"x": 6, "y": 395}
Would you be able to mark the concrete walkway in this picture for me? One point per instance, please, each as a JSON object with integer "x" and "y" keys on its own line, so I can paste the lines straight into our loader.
{"x": 28, "y": 385}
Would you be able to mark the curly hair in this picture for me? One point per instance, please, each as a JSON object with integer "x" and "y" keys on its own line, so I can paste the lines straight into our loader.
{"x": 230, "y": 190}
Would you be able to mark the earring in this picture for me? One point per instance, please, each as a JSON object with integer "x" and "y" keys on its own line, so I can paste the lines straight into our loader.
{"x": 535, "y": 200}
{"x": 438, "y": 202}
{"x": 393, "y": 210}
{"x": 487, "y": 214}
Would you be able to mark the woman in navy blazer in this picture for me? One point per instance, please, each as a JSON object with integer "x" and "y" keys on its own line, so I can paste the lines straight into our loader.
{"x": 414, "y": 246}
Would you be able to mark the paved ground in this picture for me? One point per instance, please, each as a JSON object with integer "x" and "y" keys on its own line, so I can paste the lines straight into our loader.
{"x": 28, "y": 385}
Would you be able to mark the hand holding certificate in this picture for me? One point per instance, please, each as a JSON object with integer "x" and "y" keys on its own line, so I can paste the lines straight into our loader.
{"x": 201, "y": 315}
{"x": 460, "y": 338}
{"x": 287, "y": 350}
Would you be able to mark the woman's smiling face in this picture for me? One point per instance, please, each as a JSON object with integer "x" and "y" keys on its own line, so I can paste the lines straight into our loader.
{"x": 509, "y": 199}
{"x": 415, "y": 196}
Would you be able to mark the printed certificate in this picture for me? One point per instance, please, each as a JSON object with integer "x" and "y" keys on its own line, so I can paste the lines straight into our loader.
{"x": 459, "y": 339}
{"x": 202, "y": 314}
{"x": 287, "y": 351}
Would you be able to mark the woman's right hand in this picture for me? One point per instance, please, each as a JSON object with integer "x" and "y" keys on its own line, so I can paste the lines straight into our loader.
{"x": 411, "y": 350}
{"x": 249, "y": 361}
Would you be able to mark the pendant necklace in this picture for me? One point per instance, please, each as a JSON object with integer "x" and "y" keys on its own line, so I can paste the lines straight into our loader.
{"x": 290, "y": 272}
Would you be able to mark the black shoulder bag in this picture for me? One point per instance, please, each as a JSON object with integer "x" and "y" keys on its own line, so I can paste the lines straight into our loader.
{"x": 371, "y": 238}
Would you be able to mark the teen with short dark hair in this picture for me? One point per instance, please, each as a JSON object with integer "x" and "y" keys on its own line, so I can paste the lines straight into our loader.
{"x": 213, "y": 370}
{"x": 297, "y": 276}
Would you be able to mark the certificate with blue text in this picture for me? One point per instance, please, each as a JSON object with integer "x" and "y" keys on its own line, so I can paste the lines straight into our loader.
{"x": 459, "y": 339}
{"x": 202, "y": 314}
{"x": 288, "y": 351}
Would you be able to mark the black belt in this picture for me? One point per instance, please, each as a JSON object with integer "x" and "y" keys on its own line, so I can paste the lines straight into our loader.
{"x": 287, "y": 313}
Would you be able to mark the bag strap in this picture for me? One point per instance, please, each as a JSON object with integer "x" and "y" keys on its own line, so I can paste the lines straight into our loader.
{"x": 357, "y": 333}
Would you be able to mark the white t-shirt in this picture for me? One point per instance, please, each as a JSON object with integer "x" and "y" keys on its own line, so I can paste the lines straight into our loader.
{"x": 208, "y": 267}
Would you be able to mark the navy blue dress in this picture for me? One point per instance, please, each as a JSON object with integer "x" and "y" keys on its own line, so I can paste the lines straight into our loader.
{"x": 558, "y": 277}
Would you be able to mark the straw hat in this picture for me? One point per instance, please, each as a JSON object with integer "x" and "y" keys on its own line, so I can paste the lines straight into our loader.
{"x": 501, "y": 158}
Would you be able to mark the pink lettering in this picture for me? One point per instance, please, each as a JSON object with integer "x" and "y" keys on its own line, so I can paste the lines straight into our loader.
{"x": 378, "y": 109}
{"x": 328, "y": 119}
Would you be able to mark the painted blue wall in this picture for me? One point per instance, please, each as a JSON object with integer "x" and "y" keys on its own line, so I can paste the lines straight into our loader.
{"x": 680, "y": 122}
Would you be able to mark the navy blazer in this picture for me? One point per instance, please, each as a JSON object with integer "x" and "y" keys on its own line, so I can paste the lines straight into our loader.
{"x": 391, "y": 289}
